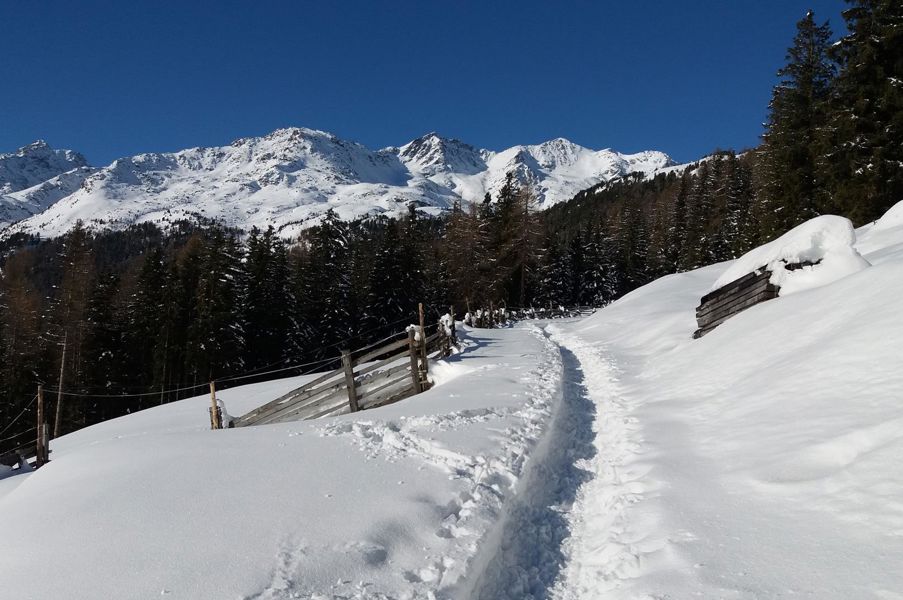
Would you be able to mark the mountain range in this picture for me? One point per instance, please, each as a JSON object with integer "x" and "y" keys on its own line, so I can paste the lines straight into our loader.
{"x": 288, "y": 179}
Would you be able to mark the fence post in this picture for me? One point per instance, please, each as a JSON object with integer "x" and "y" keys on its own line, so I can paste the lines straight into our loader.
{"x": 415, "y": 372}
{"x": 454, "y": 331}
{"x": 41, "y": 430}
{"x": 215, "y": 417}
{"x": 349, "y": 380}
{"x": 424, "y": 362}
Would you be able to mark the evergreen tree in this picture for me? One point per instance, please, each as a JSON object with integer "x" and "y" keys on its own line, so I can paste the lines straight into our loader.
{"x": 863, "y": 139}
{"x": 791, "y": 191}
{"x": 216, "y": 338}
{"x": 325, "y": 291}
{"x": 269, "y": 326}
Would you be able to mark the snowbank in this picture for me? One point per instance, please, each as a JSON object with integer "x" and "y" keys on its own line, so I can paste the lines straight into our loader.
{"x": 892, "y": 218}
{"x": 762, "y": 461}
{"x": 827, "y": 241}
{"x": 391, "y": 503}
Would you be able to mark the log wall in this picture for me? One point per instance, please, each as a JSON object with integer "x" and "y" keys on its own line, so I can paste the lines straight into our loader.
{"x": 720, "y": 305}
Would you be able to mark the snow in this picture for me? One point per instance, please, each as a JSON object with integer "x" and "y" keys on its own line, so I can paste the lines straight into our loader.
{"x": 610, "y": 457}
{"x": 826, "y": 241}
{"x": 391, "y": 502}
{"x": 36, "y": 176}
{"x": 760, "y": 461}
{"x": 290, "y": 177}
{"x": 892, "y": 218}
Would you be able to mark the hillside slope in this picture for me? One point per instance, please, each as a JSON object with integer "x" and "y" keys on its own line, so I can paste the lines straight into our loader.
{"x": 612, "y": 457}
{"x": 760, "y": 461}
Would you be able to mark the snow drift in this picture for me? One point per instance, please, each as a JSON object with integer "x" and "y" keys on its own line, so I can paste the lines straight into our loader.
{"x": 826, "y": 243}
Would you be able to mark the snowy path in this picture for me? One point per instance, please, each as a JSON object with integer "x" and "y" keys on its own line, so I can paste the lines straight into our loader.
{"x": 526, "y": 553}
{"x": 603, "y": 548}
{"x": 564, "y": 534}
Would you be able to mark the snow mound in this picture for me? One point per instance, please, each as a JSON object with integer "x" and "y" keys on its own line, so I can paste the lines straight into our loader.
{"x": 826, "y": 242}
{"x": 892, "y": 218}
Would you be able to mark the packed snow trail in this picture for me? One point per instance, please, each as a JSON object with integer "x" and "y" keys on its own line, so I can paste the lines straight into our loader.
{"x": 602, "y": 549}
{"x": 524, "y": 553}
{"x": 564, "y": 535}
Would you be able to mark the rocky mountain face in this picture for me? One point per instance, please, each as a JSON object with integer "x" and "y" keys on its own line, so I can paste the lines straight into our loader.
{"x": 34, "y": 177}
{"x": 288, "y": 179}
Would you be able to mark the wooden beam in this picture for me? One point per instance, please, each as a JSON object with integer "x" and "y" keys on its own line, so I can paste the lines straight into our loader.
{"x": 40, "y": 430}
{"x": 289, "y": 409}
{"x": 415, "y": 372}
{"x": 396, "y": 345}
{"x": 754, "y": 286}
{"x": 349, "y": 380}
{"x": 215, "y": 422}
{"x": 735, "y": 283}
{"x": 288, "y": 396}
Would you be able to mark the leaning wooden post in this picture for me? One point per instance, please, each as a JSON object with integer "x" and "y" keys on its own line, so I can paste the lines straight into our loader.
{"x": 59, "y": 394}
{"x": 215, "y": 421}
{"x": 41, "y": 429}
{"x": 415, "y": 371}
{"x": 349, "y": 380}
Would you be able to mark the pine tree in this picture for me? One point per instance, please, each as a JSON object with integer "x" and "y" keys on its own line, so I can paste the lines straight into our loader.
{"x": 66, "y": 324}
{"x": 863, "y": 139}
{"x": 389, "y": 289}
{"x": 216, "y": 334}
{"x": 790, "y": 188}
{"x": 694, "y": 250}
{"x": 324, "y": 287}
{"x": 269, "y": 321}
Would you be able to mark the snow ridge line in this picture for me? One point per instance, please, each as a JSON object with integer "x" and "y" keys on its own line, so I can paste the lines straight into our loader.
{"x": 605, "y": 549}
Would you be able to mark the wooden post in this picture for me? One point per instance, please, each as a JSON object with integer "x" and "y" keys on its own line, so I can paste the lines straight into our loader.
{"x": 59, "y": 395}
{"x": 491, "y": 315}
{"x": 41, "y": 430}
{"x": 424, "y": 363}
{"x": 45, "y": 443}
{"x": 215, "y": 419}
{"x": 415, "y": 372}
{"x": 454, "y": 332}
{"x": 349, "y": 380}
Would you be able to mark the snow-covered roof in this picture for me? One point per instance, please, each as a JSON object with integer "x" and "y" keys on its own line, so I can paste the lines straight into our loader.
{"x": 826, "y": 242}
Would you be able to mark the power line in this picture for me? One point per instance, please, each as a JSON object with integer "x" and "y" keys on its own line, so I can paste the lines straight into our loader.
{"x": 247, "y": 375}
{"x": 2, "y": 431}
{"x": 21, "y": 433}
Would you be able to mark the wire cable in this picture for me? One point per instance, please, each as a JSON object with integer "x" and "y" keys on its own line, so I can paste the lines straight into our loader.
{"x": 246, "y": 375}
{"x": 21, "y": 433}
{"x": 11, "y": 423}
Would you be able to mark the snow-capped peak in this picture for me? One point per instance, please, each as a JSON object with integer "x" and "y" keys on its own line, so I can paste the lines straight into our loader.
{"x": 431, "y": 154}
{"x": 35, "y": 163}
{"x": 289, "y": 177}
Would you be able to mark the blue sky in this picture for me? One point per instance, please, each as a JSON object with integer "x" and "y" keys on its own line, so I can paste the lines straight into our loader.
{"x": 120, "y": 77}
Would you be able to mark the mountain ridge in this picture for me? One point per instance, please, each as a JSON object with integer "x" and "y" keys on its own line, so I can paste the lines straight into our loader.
{"x": 290, "y": 177}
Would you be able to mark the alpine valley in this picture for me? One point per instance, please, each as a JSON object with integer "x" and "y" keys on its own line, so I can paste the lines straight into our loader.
{"x": 288, "y": 179}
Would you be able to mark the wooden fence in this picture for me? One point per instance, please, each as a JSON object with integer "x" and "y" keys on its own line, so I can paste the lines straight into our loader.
{"x": 36, "y": 452}
{"x": 720, "y": 305}
{"x": 489, "y": 318}
{"x": 375, "y": 378}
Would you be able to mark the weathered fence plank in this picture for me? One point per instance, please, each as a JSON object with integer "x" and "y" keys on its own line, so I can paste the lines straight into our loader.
{"x": 720, "y": 305}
